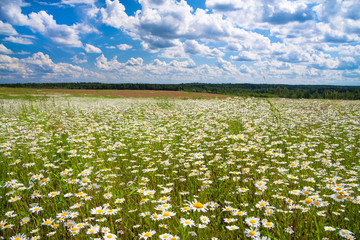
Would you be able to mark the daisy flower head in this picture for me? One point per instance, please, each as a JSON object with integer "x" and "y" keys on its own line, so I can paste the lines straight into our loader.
{"x": 205, "y": 219}
{"x": 19, "y": 236}
{"x": 262, "y": 204}
{"x": 53, "y": 194}
{"x": 36, "y": 209}
{"x": 24, "y": 220}
{"x": 167, "y": 214}
{"x": 146, "y": 235}
{"x": 109, "y": 236}
{"x": 166, "y": 236}
{"x": 232, "y": 227}
{"x": 187, "y": 222}
{"x": 98, "y": 211}
{"x": 289, "y": 230}
{"x": 330, "y": 229}
{"x": 252, "y": 233}
{"x": 198, "y": 206}
{"x": 267, "y": 224}
{"x": 253, "y": 222}
{"x": 345, "y": 233}
{"x": 230, "y": 220}
{"x": 47, "y": 222}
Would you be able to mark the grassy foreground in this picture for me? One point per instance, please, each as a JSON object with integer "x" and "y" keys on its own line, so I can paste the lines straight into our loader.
{"x": 92, "y": 168}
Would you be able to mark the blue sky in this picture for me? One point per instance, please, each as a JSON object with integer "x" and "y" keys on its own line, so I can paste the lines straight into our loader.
{"x": 180, "y": 41}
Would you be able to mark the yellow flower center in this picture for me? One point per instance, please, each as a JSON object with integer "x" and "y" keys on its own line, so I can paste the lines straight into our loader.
{"x": 187, "y": 222}
{"x": 109, "y": 236}
{"x": 166, "y": 214}
{"x": 198, "y": 205}
{"x": 100, "y": 211}
{"x": 252, "y": 221}
{"x": 74, "y": 229}
{"x": 147, "y": 234}
{"x": 186, "y": 208}
{"x": 268, "y": 224}
{"x": 252, "y": 233}
{"x": 262, "y": 204}
{"x": 308, "y": 200}
{"x": 47, "y": 222}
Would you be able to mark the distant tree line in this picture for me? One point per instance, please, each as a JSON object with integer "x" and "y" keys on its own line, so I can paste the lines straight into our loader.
{"x": 246, "y": 90}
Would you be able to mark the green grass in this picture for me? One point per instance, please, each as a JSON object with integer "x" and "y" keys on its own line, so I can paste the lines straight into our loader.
{"x": 298, "y": 158}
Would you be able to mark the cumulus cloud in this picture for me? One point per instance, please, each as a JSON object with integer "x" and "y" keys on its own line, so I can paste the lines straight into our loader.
{"x": 193, "y": 47}
{"x": 5, "y": 50}
{"x": 91, "y": 49}
{"x": 245, "y": 56}
{"x": 45, "y": 24}
{"x": 19, "y": 40}
{"x": 124, "y": 47}
{"x": 7, "y": 29}
{"x": 40, "y": 66}
{"x": 79, "y": 59}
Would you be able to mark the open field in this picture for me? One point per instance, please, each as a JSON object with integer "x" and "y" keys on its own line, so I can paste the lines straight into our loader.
{"x": 23, "y": 92}
{"x": 107, "y": 168}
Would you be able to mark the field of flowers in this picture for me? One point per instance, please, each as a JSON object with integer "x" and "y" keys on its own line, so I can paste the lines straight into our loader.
{"x": 96, "y": 168}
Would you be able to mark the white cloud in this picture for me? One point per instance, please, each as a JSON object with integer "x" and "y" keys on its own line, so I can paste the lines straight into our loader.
{"x": 245, "y": 56}
{"x": 114, "y": 15}
{"x": 5, "y": 50}
{"x": 40, "y": 66}
{"x": 74, "y": 2}
{"x": 124, "y": 47}
{"x": 91, "y": 49}
{"x": 7, "y": 29}
{"x": 45, "y": 24}
{"x": 193, "y": 47}
{"x": 79, "y": 59}
{"x": 19, "y": 40}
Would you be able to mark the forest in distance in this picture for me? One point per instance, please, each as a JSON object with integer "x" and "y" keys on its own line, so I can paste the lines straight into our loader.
{"x": 244, "y": 90}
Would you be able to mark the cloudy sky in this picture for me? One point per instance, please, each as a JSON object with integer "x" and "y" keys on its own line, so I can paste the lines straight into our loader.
{"x": 173, "y": 41}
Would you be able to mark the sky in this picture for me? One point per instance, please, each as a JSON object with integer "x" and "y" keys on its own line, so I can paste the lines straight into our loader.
{"x": 180, "y": 41}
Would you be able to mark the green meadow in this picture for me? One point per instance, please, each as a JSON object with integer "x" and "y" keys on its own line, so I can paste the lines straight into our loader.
{"x": 125, "y": 168}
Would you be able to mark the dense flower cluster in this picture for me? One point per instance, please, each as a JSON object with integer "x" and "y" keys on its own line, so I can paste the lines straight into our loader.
{"x": 87, "y": 168}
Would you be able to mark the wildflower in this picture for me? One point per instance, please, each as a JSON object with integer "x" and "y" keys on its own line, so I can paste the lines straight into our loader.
{"x": 232, "y": 227}
{"x": 93, "y": 229}
{"x": 19, "y": 236}
{"x": 24, "y": 220}
{"x": 267, "y": 224}
{"x": 156, "y": 217}
{"x": 167, "y": 214}
{"x": 146, "y": 235}
{"x": 109, "y": 236}
{"x": 187, "y": 222}
{"x": 289, "y": 230}
{"x": 47, "y": 222}
{"x": 262, "y": 204}
{"x": 198, "y": 206}
{"x": 252, "y": 233}
{"x": 14, "y": 199}
{"x": 229, "y": 220}
{"x": 98, "y": 211}
{"x": 36, "y": 209}
{"x": 53, "y": 194}
{"x": 331, "y": 229}
{"x": 166, "y": 236}
{"x": 204, "y": 219}
{"x": 253, "y": 222}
